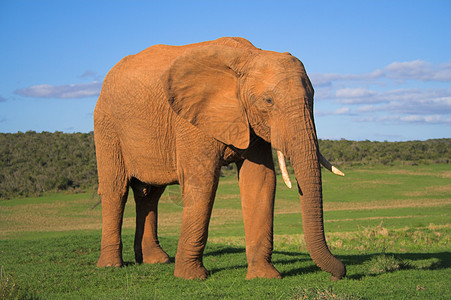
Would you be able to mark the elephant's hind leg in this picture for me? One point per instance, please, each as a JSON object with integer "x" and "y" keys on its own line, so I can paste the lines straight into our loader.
{"x": 147, "y": 246}
{"x": 113, "y": 189}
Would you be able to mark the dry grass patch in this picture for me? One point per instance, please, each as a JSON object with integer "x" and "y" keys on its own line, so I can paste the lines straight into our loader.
{"x": 290, "y": 239}
{"x": 377, "y": 238}
{"x": 375, "y": 182}
{"x": 370, "y": 184}
{"x": 45, "y": 217}
{"x": 230, "y": 180}
{"x": 386, "y": 204}
{"x": 384, "y": 264}
{"x": 223, "y": 215}
{"x": 288, "y": 208}
{"x": 229, "y": 196}
{"x": 376, "y": 218}
{"x": 237, "y": 241}
{"x": 440, "y": 174}
{"x": 439, "y": 190}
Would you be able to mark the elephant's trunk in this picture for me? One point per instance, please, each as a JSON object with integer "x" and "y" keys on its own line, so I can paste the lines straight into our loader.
{"x": 305, "y": 161}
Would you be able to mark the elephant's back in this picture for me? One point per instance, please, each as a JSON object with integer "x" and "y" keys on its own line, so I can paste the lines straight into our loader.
{"x": 158, "y": 58}
{"x": 144, "y": 69}
{"x": 149, "y": 64}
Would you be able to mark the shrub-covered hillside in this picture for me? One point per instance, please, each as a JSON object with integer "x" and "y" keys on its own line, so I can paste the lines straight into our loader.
{"x": 33, "y": 163}
{"x": 344, "y": 152}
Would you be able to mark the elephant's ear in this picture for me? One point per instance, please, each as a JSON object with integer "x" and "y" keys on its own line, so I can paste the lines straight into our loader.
{"x": 203, "y": 90}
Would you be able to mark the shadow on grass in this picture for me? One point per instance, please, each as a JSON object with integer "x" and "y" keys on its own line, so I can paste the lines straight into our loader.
{"x": 403, "y": 261}
{"x": 228, "y": 257}
{"x": 225, "y": 250}
{"x": 390, "y": 262}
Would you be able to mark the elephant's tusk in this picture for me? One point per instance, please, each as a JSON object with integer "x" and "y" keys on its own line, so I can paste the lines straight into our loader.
{"x": 283, "y": 169}
{"x": 329, "y": 166}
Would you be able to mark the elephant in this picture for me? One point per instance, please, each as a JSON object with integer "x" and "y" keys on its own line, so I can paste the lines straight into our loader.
{"x": 176, "y": 115}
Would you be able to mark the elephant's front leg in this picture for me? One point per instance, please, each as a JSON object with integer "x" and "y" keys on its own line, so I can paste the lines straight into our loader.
{"x": 198, "y": 190}
{"x": 257, "y": 182}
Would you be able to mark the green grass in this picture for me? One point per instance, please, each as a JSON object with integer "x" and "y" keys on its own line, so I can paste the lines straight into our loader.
{"x": 389, "y": 225}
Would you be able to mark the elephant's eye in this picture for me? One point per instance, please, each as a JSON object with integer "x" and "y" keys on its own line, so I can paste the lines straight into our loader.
{"x": 269, "y": 101}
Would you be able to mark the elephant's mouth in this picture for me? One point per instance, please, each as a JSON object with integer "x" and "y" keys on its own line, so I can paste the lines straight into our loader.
{"x": 322, "y": 160}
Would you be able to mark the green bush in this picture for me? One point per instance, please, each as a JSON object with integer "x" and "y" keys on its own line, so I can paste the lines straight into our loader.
{"x": 35, "y": 163}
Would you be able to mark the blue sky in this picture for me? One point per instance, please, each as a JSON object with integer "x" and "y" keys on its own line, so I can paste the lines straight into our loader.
{"x": 381, "y": 69}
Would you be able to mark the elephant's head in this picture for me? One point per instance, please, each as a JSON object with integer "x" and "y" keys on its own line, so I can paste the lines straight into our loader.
{"x": 234, "y": 93}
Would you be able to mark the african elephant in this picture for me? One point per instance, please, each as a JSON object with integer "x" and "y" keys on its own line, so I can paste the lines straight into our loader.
{"x": 176, "y": 114}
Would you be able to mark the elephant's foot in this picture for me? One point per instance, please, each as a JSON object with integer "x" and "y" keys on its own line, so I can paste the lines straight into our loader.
{"x": 110, "y": 257}
{"x": 333, "y": 278}
{"x": 263, "y": 270}
{"x": 191, "y": 271}
{"x": 154, "y": 255}
{"x": 110, "y": 261}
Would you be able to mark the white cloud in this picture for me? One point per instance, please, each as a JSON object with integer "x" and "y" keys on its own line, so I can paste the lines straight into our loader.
{"x": 342, "y": 111}
{"x": 92, "y": 75}
{"x": 411, "y": 101}
{"x": 82, "y": 90}
{"x": 355, "y": 95}
{"x": 378, "y": 119}
{"x": 339, "y": 111}
{"x": 88, "y": 73}
{"x": 376, "y": 96}
{"x": 419, "y": 119}
{"x": 323, "y": 80}
{"x": 425, "y": 103}
{"x": 412, "y": 70}
{"x": 432, "y": 119}
{"x": 419, "y": 70}
{"x": 443, "y": 73}
{"x": 412, "y": 118}
{"x": 368, "y": 108}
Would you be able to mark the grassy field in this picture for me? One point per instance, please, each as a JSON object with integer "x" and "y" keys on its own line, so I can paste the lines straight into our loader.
{"x": 391, "y": 226}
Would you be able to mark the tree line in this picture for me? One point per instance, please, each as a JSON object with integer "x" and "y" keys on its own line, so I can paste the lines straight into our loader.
{"x": 35, "y": 163}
